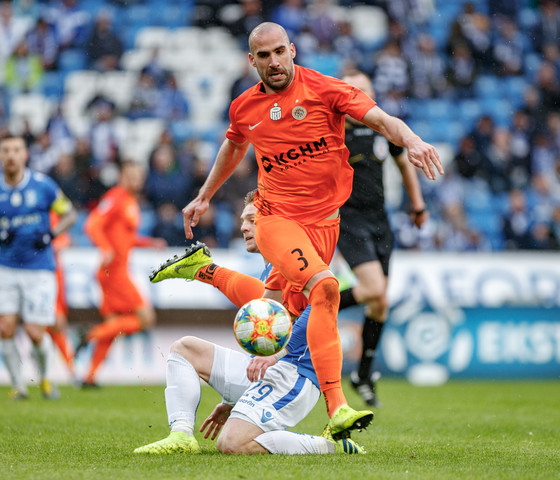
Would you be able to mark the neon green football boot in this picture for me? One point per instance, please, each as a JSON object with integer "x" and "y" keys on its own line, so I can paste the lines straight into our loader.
{"x": 344, "y": 445}
{"x": 176, "y": 442}
{"x": 183, "y": 266}
{"x": 345, "y": 418}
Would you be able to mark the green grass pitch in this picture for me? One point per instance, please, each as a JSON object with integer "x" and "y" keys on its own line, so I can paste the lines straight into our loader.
{"x": 461, "y": 430}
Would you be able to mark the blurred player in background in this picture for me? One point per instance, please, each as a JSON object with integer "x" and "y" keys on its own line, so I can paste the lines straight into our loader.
{"x": 254, "y": 415}
{"x": 28, "y": 287}
{"x": 294, "y": 118}
{"x": 59, "y": 331}
{"x": 366, "y": 238}
{"x": 113, "y": 227}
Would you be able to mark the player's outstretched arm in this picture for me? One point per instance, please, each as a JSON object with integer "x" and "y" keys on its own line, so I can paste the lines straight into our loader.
{"x": 229, "y": 156}
{"x": 420, "y": 154}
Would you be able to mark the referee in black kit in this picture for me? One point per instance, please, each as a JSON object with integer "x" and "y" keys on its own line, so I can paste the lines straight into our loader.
{"x": 366, "y": 238}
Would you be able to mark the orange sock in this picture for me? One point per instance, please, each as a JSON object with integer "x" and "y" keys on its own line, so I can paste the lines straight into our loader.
{"x": 237, "y": 287}
{"x": 109, "y": 329}
{"x": 324, "y": 341}
{"x": 99, "y": 354}
{"x": 59, "y": 339}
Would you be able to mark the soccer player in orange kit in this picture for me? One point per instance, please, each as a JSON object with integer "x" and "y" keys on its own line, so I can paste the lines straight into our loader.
{"x": 113, "y": 227}
{"x": 294, "y": 118}
{"x": 59, "y": 331}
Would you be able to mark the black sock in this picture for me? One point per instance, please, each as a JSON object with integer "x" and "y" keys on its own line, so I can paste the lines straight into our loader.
{"x": 347, "y": 299}
{"x": 371, "y": 334}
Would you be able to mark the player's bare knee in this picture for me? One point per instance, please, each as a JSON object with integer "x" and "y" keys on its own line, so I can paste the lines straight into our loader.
{"x": 227, "y": 443}
{"x": 183, "y": 346}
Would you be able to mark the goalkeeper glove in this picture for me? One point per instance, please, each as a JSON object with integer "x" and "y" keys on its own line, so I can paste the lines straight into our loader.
{"x": 43, "y": 240}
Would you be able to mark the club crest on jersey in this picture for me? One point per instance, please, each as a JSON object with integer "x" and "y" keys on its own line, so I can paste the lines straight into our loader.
{"x": 16, "y": 199}
{"x": 275, "y": 112}
{"x": 299, "y": 112}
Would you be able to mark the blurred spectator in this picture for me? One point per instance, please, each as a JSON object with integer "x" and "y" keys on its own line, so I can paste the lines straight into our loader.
{"x": 475, "y": 26}
{"x": 104, "y": 47}
{"x": 462, "y": 70}
{"x": 549, "y": 87}
{"x": 243, "y": 180}
{"x": 427, "y": 69}
{"x": 323, "y": 21}
{"x": 68, "y": 178}
{"x": 517, "y": 222}
{"x": 165, "y": 183}
{"x": 155, "y": 68}
{"x": 470, "y": 162}
{"x": 250, "y": 16}
{"x": 391, "y": 71}
{"x": 144, "y": 97}
{"x": 291, "y": 14}
{"x": 59, "y": 130}
{"x": 70, "y": 22}
{"x": 500, "y": 163}
{"x": 44, "y": 155}
{"x": 555, "y": 227}
{"x": 103, "y": 141}
{"x": 169, "y": 225}
{"x": 42, "y": 41}
{"x": 482, "y": 133}
{"x": 454, "y": 234}
{"x": 508, "y": 50}
{"x": 346, "y": 46}
{"x": 93, "y": 189}
{"x": 171, "y": 103}
{"x": 23, "y": 70}
{"x": 547, "y": 29}
{"x": 12, "y": 29}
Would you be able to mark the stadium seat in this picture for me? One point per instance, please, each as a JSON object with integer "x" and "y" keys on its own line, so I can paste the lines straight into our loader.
{"x": 487, "y": 86}
{"x": 370, "y": 26}
{"x": 152, "y": 37}
{"x": 72, "y": 59}
{"x": 52, "y": 84}
{"x": 33, "y": 108}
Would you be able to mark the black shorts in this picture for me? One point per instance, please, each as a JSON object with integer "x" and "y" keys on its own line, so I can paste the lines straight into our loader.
{"x": 365, "y": 238}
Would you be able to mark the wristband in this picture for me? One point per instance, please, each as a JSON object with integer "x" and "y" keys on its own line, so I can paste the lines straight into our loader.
{"x": 280, "y": 354}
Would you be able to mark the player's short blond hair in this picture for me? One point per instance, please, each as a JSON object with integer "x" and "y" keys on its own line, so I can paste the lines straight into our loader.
{"x": 250, "y": 197}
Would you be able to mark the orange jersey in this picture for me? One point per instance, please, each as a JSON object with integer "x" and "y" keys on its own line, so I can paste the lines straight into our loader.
{"x": 114, "y": 223}
{"x": 298, "y": 136}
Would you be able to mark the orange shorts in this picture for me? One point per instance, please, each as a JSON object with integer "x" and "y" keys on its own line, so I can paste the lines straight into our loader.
{"x": 297, "y": 252}
{"x": 120, "y": 295}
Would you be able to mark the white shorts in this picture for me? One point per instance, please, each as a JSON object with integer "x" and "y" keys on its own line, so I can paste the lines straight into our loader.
{"x": 29, "y": 293}
{"x": 280, "y": 400}
{"x": 229, "y": 374}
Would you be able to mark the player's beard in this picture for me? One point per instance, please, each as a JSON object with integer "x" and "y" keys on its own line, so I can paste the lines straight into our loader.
{"x": 278, "y": 86}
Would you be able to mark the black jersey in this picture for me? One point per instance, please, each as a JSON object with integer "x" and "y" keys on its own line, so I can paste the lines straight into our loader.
{"x": 368, "y": 150}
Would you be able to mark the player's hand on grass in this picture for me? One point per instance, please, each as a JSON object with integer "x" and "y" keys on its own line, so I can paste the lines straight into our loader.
{"x": 258, "y": 366}
{"x": 192, "y": 213}
{"x": 216, "y": 420}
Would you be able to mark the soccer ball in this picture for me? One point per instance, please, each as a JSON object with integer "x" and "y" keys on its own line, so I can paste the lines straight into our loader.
{"x": 262, "y": 327}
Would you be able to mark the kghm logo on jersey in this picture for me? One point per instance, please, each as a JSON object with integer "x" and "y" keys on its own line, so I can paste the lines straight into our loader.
{"x": 286, "y": 160}
{"x": 299, "y": 112}
{"x": 275, "y": 112}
